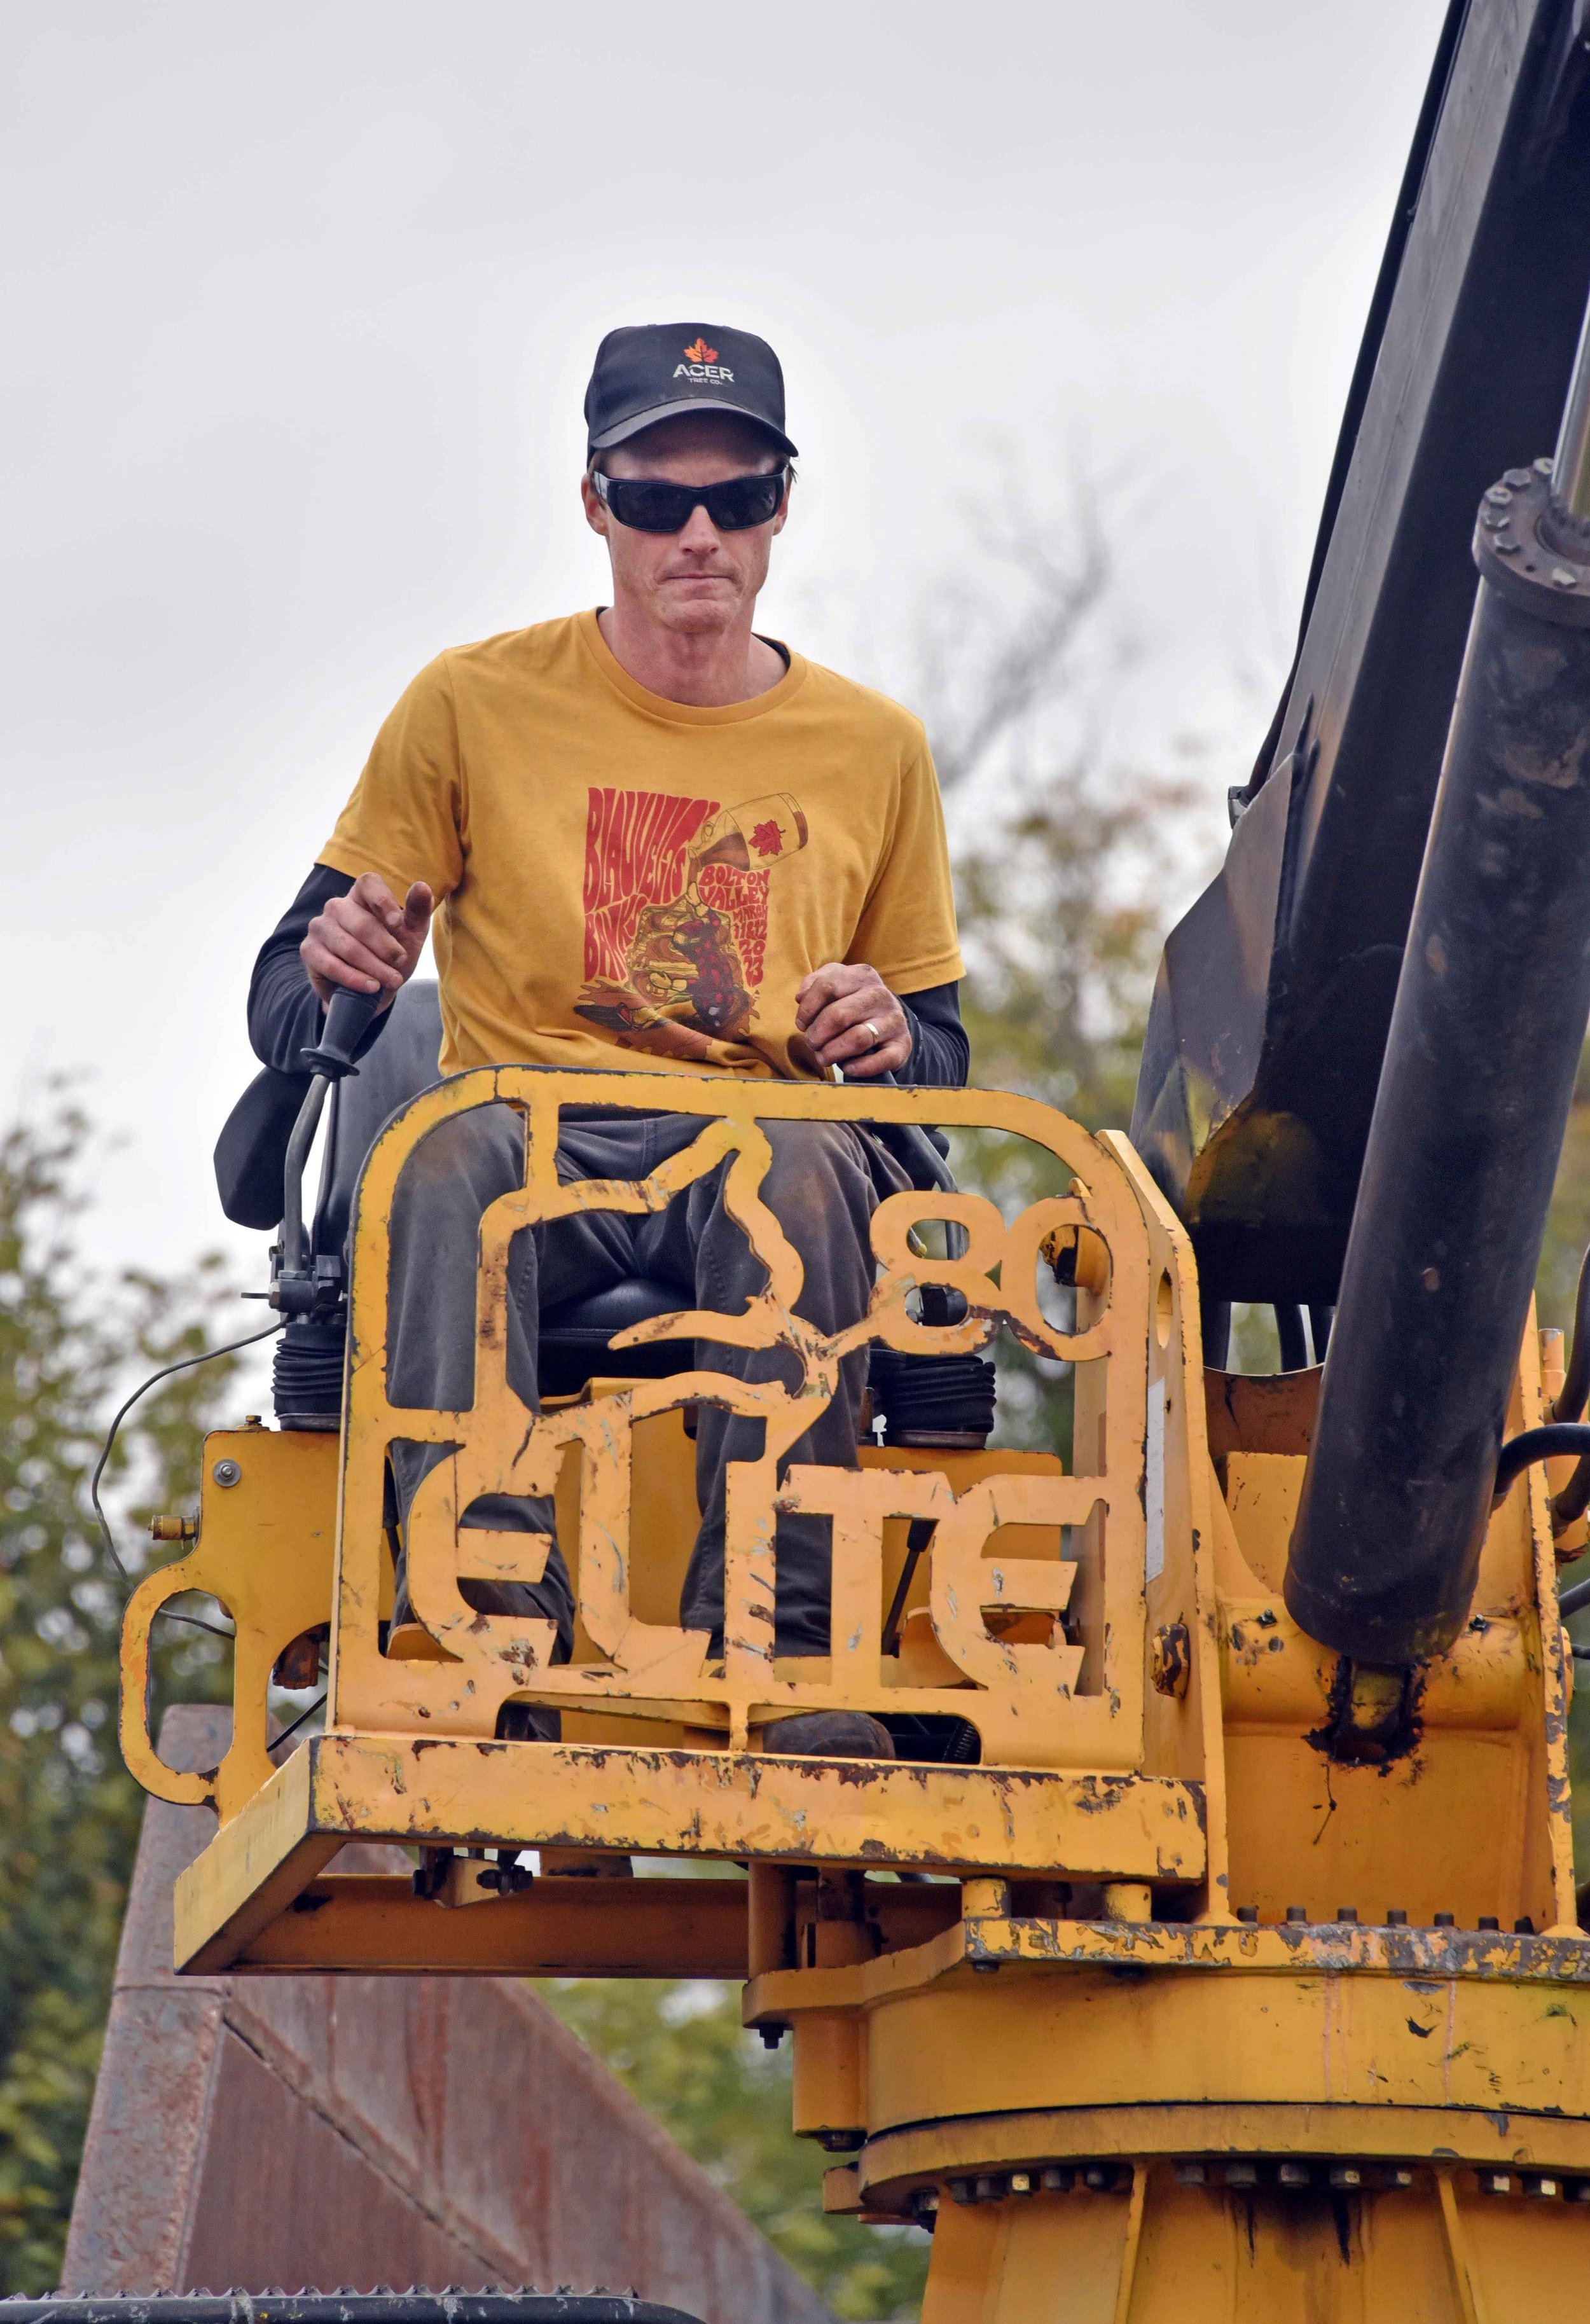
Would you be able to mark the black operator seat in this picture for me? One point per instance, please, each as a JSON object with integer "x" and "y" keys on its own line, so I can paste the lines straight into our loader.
{"x": 251, "y": 1156}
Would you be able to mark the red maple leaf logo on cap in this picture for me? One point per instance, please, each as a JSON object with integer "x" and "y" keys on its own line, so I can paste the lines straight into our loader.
{"x": 767, "y": 838}
{"x": 700, "y": 352}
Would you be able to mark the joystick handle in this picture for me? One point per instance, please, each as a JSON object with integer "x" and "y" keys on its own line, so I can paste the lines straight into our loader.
{"x": 347, "y": 1019}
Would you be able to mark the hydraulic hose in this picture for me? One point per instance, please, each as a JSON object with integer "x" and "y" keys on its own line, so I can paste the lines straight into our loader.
{"x": 1575, "y": 1387}
{"x": 1550, "y": 1443}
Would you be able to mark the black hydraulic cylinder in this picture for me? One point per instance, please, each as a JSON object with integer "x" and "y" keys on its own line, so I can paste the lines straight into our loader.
{"x": 1270, "y": 1018}
{"x": 1484, "y": 1043}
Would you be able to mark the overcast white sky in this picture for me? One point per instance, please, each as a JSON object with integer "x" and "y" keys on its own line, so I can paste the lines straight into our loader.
{"x": 299, "y": 305}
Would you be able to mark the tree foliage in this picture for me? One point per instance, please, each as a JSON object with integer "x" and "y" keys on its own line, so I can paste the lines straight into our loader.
{"x": 68, "y": 1810}
{"x": 1068, "y": 858}
{"x": 1070, "y": 862}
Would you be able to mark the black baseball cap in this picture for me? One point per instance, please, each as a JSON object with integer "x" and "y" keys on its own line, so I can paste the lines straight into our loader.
{"x": 648, "y": 372}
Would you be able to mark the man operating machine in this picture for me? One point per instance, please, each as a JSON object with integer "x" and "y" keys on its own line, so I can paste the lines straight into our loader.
{"x": 649, "y": 836}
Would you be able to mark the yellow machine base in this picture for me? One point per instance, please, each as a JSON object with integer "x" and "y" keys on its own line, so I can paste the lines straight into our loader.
{"x": 1162, "y": 2242}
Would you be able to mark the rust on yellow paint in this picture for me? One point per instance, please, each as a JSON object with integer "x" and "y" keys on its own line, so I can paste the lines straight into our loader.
{"x": 1159, "y": 2000}
{"x": 1147, "y": 2241}
{"x": 264, "y": 1554}
{"x": 738, "y": 1806}
{"x": 1102, "y": 2037}
{"x": 1034, "y": 1703}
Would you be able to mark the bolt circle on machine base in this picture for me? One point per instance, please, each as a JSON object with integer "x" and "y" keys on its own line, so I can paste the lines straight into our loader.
{"x": 1295, "y": 2239}
{"x": 975, "y": 2160}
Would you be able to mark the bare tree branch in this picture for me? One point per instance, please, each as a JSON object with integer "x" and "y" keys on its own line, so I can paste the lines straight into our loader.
{"x": 991, "y": 658}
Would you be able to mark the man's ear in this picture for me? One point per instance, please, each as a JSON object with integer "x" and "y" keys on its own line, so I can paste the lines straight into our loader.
{"x": 783, "y": 515}
{"x": 597, "y": 515}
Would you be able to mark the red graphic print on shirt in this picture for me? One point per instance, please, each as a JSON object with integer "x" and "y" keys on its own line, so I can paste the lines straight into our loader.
{"x": 675, "y": 898}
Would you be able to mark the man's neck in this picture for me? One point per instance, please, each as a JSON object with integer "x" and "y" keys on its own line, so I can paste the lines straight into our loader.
{"x": 708, "y": 670}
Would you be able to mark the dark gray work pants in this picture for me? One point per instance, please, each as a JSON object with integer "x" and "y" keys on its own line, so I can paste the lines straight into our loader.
{"x": 823, "y": 1187}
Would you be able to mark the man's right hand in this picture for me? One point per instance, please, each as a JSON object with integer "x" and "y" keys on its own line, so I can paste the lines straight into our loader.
{"x": 365, "y": 940}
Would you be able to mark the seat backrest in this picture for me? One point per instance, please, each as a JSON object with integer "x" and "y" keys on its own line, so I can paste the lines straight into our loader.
{"x": 251, "y": 1152}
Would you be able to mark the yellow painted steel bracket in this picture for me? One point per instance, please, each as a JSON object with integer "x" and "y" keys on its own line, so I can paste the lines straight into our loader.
{"x": 265, "y": 1553}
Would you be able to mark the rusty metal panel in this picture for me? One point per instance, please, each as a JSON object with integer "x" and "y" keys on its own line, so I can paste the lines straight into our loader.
{"x": 298, "y": 2130}
{"x": 278, "y": 2186}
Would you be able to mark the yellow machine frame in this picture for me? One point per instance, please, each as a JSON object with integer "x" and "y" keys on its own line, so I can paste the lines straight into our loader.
{"x": 1186, "y": 2015}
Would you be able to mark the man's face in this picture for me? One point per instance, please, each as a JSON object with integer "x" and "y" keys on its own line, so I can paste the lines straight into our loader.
{"x": 698, "y": 581}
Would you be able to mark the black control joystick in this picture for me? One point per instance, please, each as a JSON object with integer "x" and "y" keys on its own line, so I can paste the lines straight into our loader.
{"x": 924, "y": 1152}
{"x": 347, "y": 1019}
{"x": 303, "y": 1287}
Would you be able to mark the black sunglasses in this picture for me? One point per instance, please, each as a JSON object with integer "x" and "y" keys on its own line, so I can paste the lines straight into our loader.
{"x": 647, "y": 504}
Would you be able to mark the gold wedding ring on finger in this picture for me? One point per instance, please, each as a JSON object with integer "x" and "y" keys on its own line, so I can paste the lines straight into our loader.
{"x": 867, "y": 1026}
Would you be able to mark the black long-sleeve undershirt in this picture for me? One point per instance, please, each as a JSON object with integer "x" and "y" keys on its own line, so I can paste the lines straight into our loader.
{"x": 284, "y": 1016}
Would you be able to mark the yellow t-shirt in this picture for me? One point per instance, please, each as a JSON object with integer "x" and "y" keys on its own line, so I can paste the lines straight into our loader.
{"x": 616, "y": 873}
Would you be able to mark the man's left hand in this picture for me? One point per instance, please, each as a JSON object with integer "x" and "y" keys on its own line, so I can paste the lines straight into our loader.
{"x": 851, "y": 1018}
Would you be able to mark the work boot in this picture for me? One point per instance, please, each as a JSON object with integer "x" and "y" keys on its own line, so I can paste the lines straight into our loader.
{"x": 830, "y": 1735}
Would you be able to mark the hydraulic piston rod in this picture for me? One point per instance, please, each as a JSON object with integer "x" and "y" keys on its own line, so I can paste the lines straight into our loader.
{"x": 1473, "y": 1100}
{"x": 1570, "y": 467}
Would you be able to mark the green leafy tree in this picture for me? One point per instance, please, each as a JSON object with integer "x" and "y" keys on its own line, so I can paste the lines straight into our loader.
{"x": 682, "y": 2051}
{"x": 69, "y": 1346}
